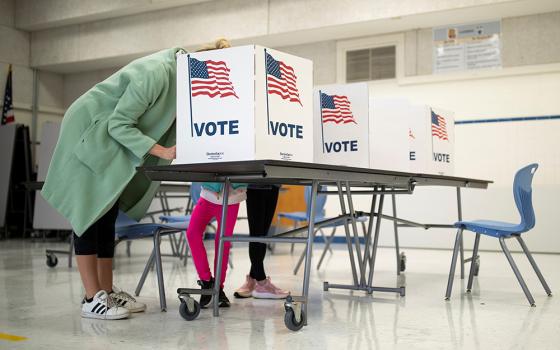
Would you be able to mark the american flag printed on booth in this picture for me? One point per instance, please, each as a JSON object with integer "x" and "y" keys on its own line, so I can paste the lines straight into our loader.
{"x": 8, "y": 106}
{"x": 336, "y": 109}
{"x": 281, "y": 79}
{"x": 210, "y": 78}
{"x": 439, "y": 126}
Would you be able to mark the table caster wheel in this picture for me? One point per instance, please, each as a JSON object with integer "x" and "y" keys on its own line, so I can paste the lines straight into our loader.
{"x": 189, "y": 309}
{"x": 52, "y": 260}
{"x": 290, "y": 320}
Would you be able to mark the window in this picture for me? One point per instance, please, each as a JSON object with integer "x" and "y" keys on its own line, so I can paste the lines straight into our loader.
{"x": 369, "y": 59}
{"x": 371, "y": 64}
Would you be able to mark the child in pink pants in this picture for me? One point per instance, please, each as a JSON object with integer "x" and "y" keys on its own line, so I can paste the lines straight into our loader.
{"x": 208, "y": 207}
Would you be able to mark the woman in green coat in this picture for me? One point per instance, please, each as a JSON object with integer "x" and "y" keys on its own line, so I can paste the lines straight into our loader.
{"x": 126, "y": 121}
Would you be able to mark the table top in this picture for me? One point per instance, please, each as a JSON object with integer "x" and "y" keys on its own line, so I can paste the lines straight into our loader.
{"x": 174, "y": 188}
{"x": 288, "y": 172}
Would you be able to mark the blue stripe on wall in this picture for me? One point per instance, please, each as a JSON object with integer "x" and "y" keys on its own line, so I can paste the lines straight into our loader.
{"x": 505, "y": 120}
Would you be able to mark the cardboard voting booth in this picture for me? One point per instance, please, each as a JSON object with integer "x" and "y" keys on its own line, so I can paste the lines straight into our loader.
{"x": 432, "y": 141}
{"x": 341, "y": 125}
{"x": 389, "y": 134}
{"x": 411, "y": 138}
{"x": 244, "y": 103}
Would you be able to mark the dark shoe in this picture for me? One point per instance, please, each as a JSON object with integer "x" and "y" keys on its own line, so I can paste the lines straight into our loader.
{"x": 205, "y": 299}
{"x": 223, "y": 299}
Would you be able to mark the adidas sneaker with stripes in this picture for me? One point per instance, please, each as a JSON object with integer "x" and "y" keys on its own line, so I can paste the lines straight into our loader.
{"x": 123, "y": 299}
{"x": 103, "y": 307}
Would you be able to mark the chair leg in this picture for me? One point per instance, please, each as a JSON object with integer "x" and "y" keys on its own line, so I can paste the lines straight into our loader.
{"x": 147, "y": 269}
{"x": 292, "y": 247}
{"x": 159, "y": 271}
{"x": 458, "y": 238}
{"x": 128, "y": 244}
{"x": 516, "y": 272}
{"x": 172, "y": 244}
{"x": 325, "y": 239}
{"x": 186, "y": 250}
{"x": 462, "y": 257}
{"x": 71, "y": 249}
{"x": 473, "y": 262}
{"x": 534, "y": 264}
{"x": 327, "y": 245}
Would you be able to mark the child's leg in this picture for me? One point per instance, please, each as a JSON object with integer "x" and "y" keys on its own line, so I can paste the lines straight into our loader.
{"x": 230, "y": 224}
{"x": 201, "y": 216}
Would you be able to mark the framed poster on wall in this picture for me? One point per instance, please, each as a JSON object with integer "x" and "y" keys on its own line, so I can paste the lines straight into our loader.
{"x": 467, "y": 47}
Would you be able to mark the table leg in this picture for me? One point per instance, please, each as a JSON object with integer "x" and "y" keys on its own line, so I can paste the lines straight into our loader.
{"x": 221, "y": 247}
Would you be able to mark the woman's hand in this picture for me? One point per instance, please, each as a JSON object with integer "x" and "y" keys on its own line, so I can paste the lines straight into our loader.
{"x": 163, "y": 152}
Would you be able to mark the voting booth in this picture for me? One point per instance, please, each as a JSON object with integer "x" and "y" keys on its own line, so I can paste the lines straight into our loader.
{"x": 341, "y": 125}
{"x": 432, "y": 140}
{"x": 244, "y": 103}
{"x": 388, "y": 134}
{"x": 411, "y": 137}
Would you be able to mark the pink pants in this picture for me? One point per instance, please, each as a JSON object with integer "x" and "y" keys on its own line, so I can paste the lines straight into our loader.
{"x": 204, "y": 211}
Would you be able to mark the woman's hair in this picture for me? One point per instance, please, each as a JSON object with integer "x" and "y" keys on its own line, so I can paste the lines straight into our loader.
{"x": 218, "y": 44}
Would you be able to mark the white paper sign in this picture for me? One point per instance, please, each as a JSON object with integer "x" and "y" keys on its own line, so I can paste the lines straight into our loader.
{"x": 341, "y": 125}
{"x": 465, "y": 47}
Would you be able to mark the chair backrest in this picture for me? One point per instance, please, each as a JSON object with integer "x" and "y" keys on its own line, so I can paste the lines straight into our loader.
{"x": 196, "y": 188}
{"x": 124, "y": 220}
{"x": 522, "y": 193}
{"x": 319, "y": 203}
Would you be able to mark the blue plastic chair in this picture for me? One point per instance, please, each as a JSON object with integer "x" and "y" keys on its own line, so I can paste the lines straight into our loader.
{"x": 300, "y": 217}
{"x": 522, "y": 193}
{"x": 196, "y": 188}
{"x": 127, "y": 229}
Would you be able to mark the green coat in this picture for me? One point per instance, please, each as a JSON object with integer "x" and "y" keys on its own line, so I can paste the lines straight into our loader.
{"x": 106, "y": 134}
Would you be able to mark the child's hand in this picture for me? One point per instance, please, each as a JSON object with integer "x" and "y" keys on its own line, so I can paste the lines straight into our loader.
{"x": 164, "y": 152}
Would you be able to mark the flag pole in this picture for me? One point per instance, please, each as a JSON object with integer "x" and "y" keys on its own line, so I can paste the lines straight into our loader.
{"x": 321, "y": 114}
{"x": 432, "y": 133}
{"x": 266, "y": 80}
{"x": 190, "y": 92}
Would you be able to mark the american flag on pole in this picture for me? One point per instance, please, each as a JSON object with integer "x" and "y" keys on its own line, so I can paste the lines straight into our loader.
{"x": 8, "y": 106}
{"x": 210, "y": 78}
{"x": 281, "y": 79}
{"x": 439, "y": 127}
{"x": 336, "y": 109}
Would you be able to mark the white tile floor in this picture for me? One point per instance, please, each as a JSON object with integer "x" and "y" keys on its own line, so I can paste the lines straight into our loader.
{"x": 42, "y": 304}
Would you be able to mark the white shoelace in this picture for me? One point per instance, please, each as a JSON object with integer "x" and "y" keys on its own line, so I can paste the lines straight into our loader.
{"x": 124, "y": 295}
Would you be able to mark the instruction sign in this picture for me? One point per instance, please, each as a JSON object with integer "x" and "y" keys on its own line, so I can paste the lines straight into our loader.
{"x": 466, "y": 47}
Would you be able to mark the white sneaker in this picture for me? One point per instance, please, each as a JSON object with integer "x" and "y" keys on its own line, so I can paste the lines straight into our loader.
{"x": 103, "y": 307}
{"x": 123, "y": 299}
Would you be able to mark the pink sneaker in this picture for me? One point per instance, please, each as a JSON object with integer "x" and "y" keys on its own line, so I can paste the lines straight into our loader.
{"x": 246, "y": 290}
{"x": 267, "y": 290}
